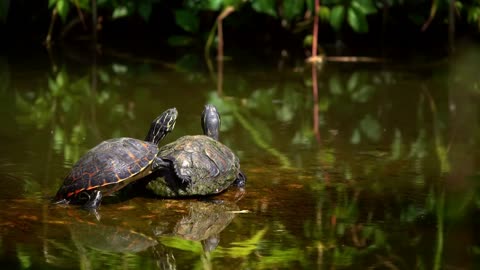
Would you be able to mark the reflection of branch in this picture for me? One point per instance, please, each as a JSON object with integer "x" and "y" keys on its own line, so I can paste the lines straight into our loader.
{"x": 316, "y": 129}
{"x": 440, "y": 218}
{"x": 442, "y": 151}
{"x": 257, "y": 138}
{"x": 94, "y": 24}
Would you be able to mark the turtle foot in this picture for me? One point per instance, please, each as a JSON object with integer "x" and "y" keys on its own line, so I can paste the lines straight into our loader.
{"x": 241, "y": 180}
{"x": 95, "y": 198}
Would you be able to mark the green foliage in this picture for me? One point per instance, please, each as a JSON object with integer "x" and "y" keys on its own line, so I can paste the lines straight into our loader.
{"x": 187, "y": 20}
{"x": 292, "y": 9}
{"x": 189, "y": 13}
{"x": 265, "y": 6}
{"x": 337, "y": 16}
{"x": 4, "y": 7}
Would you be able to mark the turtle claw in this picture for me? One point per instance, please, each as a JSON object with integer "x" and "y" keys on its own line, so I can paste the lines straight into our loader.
{"x": 62, "y": 201}
{"x": 94, "y": 200}
{"x": 241, "y": 180}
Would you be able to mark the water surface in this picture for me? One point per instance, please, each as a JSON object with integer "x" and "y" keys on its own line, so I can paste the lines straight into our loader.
{"x": 379, "y": 171}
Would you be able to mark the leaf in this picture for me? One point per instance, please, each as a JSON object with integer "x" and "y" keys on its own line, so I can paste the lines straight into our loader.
{"x": 311, "y": 5}
{"x": 51, "y": 3}
{"x": 63, "y": 6}
{"x": 214, "y": 4}
{"x": 84, "y": 4}
{"x": 145, "y": 9}
{"x": 308, "y": 40}
{"x": 364, "y": 6}
{"x": 265, "y": 6}
{"x": 187, "y": 20}
{"x": 357, "y": 20}
{"x": 324, "y": 13}
{"x": 337, "y": 17}
{"x": 232, "y": 3}
{"x": 292, "y": 9}
{"x": 119, "y": 12}
{"x": 179, "y": 41}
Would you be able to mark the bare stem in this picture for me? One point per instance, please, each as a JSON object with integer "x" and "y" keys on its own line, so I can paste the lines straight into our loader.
{"x": 315, "y": 29}
{"x": 48, "y": 39}
{"x": 80, "y": 15}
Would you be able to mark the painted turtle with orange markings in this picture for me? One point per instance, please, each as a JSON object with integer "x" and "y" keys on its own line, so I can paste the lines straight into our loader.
{"x": 114, "y": 163}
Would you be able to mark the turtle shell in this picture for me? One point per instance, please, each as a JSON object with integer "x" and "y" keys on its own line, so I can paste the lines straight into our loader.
{"x": 202, "y": 166}
{"x": 109, "y": 166}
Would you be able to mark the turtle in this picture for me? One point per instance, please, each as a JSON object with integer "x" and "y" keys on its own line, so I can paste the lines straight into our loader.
{"x": 197, "y": 164}
{"x": 113, "y": 164}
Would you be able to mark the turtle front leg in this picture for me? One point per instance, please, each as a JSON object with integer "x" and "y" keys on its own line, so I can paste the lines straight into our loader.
{"x": 241, "y": 180}
{"x": 161, "y": 164}
{"x": 95, "y": 198}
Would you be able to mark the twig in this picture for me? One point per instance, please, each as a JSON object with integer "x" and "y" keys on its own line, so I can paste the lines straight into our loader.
{"x": 48, "y": 39}
{"x": 80, "y": 15}
{"x": 433, "y": 10}
{"x": 227, "y": 11}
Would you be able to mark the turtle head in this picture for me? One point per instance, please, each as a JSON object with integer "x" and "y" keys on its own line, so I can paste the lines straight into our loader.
{"x": 211, "y": 121}
{"x": 162, "y": 125}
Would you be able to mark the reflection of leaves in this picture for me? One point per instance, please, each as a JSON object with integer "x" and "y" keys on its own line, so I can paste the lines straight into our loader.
{"x": 371, "y": 128}
{"x": 397, "y": 144}
{"x": 188, "y": 63}
{"x": 356, "y": 137}
{"x": 353, "y": 81}
{"x": 245, "y": 248}
{"x": 281, "y": 258}
{"x": 225, "y": 108}
{"x": 363, "y": 94}
{"x": 182, "y": 244}
{"x": 261, "y": 101}
{"x": 335, "y": 85}
{"x": 291, "y": 103}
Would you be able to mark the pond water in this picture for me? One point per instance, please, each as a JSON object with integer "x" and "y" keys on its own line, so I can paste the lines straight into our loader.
{"x": 349, "y": 166}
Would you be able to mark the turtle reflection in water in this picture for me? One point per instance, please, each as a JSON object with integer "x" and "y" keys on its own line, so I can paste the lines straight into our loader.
{"x": 110, "y": 238}
{"x": 198, "y": 165}
{"x": 204, "y": 222}
{"x": 113, "y": 164}
{"x": 115, "y": 239}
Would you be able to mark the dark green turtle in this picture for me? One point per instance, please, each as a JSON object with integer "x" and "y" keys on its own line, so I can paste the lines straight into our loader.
{"x": 198, "y": 165}
{"x": 114, "y": 163}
